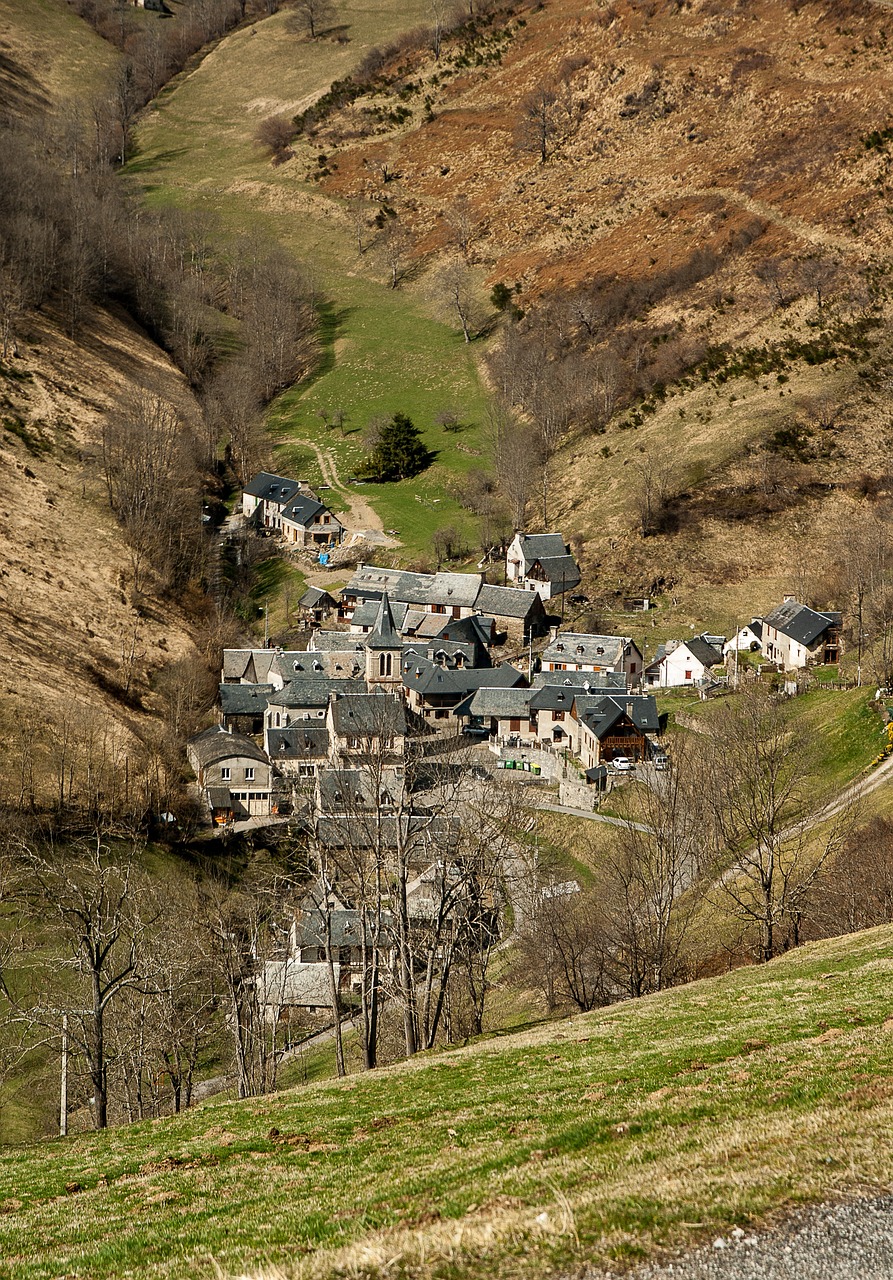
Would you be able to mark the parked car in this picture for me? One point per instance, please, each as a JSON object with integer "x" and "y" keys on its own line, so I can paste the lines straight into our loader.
{"x": 661, "y": 761}
{"x": 475, "y": 731}
{"x": 622, "y": 764}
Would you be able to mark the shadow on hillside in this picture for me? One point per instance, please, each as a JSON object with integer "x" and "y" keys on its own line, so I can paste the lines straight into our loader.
{"x": 331, "y": 322}
{"x": 19, "y": 89}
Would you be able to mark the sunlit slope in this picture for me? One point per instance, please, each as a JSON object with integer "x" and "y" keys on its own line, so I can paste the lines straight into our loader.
{"x": 600, "y": 1136}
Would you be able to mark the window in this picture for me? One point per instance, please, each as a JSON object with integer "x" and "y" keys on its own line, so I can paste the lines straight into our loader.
{"x": 353, "y": 743}
{"x": 249, "y": 775}
{"x": 557, "y": 715}
{"x": 225, "y": 773}
{"x": 633, "y": 668}
{"x": 441, "y": 714}
{"x": 387, "y": 742}
{"x": 384, "y": 664}
{"x": 688, "y": 675}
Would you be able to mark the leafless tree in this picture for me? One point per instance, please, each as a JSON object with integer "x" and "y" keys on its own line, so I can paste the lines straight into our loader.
{"x": 517, "y": 459}
{"x": 312, "y": 16}
{"x": 92, "y": 894}
{"x": 654, "y": 487}
{"x": 769, "y": 854}
{"x": 394, "y": 244}
{"x": 539, "y": 125}
{"x": 464, "y": 224}
{"x": 456, "y": 286}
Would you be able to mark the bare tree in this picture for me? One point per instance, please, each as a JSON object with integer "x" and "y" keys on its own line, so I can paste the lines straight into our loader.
{"x": 312, "y": 16}
{"x": 518, "y": 461}
{"x": 92, "y": 893}
{"x": 394, "y": 243}
{"x": 464, "y": 224}
{"x": 539, "y": 125}
{"x": 654, "y": 486}
{"x": 456, "y": 286}
{"x": 769, "y": 853}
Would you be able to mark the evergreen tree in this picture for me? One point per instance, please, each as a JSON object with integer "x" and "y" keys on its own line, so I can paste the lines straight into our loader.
{"x": 398, "y": 451}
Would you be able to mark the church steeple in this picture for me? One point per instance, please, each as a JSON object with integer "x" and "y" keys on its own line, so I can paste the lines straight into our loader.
{"x": 384, "y": 648}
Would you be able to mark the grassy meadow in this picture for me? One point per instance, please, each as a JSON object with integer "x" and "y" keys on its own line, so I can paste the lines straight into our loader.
{"x": 605, "y": 1136}
{"x": 383, "y": 350}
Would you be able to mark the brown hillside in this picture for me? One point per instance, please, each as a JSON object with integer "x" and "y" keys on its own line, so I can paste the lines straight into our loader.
{"x": 735, "y": 130}
{"x": 70, "y": 635}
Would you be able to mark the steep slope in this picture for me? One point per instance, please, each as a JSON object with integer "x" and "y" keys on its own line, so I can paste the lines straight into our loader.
{"x": 715, "y": 161}
{"x": 606, "y": 1136}
{"x": 80, "y": 652}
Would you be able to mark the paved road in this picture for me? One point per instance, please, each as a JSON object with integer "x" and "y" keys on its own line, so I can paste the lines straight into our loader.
{"x": 848, "y": 1241}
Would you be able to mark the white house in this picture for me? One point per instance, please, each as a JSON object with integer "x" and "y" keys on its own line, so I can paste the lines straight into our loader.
{"x": 541, "y": 562}
{"x": 578, "y": 651}
{"x": 684, "y": 662}
{"x": 291, "y": 508}
{"x": 795, "y": 635}
{"x": 749, "y": 638}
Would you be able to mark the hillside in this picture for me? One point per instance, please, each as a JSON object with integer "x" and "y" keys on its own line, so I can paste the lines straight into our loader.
{"x": 716, "y": 162}
{"x": 606, "y": 1136}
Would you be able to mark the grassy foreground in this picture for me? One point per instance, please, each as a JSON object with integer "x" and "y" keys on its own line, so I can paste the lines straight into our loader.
{"x": 603, "y": 1136}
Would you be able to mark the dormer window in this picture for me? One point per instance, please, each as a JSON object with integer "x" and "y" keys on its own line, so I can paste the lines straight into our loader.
{"x": 599, "y": 650}
{"x": 560, "y": 647}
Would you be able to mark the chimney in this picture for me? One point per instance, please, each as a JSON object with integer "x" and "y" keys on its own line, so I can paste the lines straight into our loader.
{"x": 629, "y": 710}
{"x": 553, "y": 634}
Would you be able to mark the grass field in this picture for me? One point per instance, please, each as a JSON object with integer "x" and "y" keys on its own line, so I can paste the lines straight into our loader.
{"x": 604, "y": 1136}
{"x": 384, "y": 350}
{"x": 57, "y": 59}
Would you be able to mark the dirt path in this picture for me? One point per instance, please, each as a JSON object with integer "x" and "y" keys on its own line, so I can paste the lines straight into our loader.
{"x": 797, "y": 227}
{"x": 362, "y": 517}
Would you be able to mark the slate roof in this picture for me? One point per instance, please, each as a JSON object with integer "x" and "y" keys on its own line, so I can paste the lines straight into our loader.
{"x": 503, "y": 703}
{"x": 219, "y": 798}
{"x": 562, "y": 571}
{"x": 217, "y": 744}
{"x": 535, "y": 546}
{"x": 311, "y": 691}
{"x": 349, "y": 790}
{"x": 271, "y": 488}
{"x": 244, "y": 699}
{"x": 601, "y": 714}
{"x": 297, "y": 742}
{"x": 368, "y": 714}
{"x": 575, "y": 646}
{"x": 507, "y": 602}
{"x": 314, "y": 597}
{"x": 464, "y": 590}
{"x": 704, "y": 652}
{"x": 366, "y": 614}
{"x": 423, "y": 838}
{"x": 384, "y": 634}
{"x": 302, "y": 510}
{"x": 325, "y": 642}
{"x": 432, "y": 680}
{"x": 800, "y": 623}
{"x": 344, "y": 928}
{"x": 474, "y": 628}
{"x": 234, "y": 663}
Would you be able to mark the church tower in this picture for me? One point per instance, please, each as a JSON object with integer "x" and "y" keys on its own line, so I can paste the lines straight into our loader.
{"x": 384, "y": 650}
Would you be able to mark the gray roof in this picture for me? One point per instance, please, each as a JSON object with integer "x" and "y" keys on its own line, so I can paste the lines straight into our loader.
{"x": 499, "y": 702}
{"x": 234, "y": 663}
{"x": 324, "y": 642}
{"x": 576, "y": 646}
{"x": 368, "y": 714}
{"x": 302, "y": 509}
{"x": 244, "y": 699}
{"x": 219, "y": 798}
{"x": 475, "y": 629}
{"x": 217, "y": 744}
{"x": 534, "y": 546}
{"x": 271, "y": 488}
{"x": 601, "y": 714}
{"x": 432, "y": 680}
{"x": 562, "y": 571}
{"x": 384, "y": 634}
{"x": 311, "y": 691}
{"x": 704, "y": 652}
{"x": 508, "y": 602}
{"x": 352, "y": 790}
{"x": 314, "y": 597}
{"x": 366, "y": 613}
{"x": 800, "y": 623}
{"x": 298, "y": 742}
{"x": 422, "y": 838}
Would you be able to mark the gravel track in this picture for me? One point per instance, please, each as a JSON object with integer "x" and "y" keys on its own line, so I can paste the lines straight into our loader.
{"x": 852, "y": 1240}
